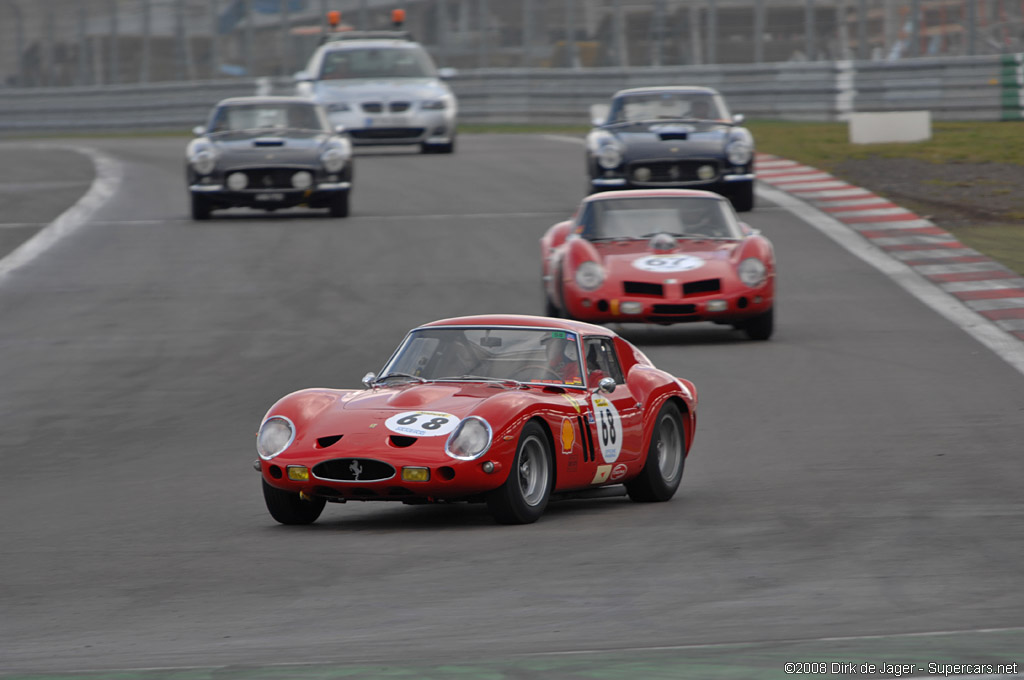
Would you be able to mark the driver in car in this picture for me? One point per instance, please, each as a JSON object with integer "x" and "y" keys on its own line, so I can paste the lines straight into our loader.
{"x": 563, "y": 359}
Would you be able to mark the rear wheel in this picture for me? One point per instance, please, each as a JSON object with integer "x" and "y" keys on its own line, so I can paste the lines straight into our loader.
{"x": 666, "y": 457}
{"x": 200, "y": 208}
{"x": 290, "y": 508}
{"x": 761, "y": 326}
{"x": 339, "y": 204}
{"x": 525, "y": 494}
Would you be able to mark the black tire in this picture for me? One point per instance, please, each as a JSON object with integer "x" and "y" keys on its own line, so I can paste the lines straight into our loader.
{"x": 761, "y": 326}
{"x": 550, "y": 308}
{"x": 200, "y": 208}
{"x": 438, "y": 148}
{"x": 339, "y": 204}
{"x": 742, "y": 197}
{"x": 288, "y": 508}
{"x": 666, "y": 459}
{"x": 525, "y": 494}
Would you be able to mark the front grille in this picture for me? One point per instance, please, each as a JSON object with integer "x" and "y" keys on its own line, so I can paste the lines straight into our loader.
{"x": 399, "y": 107}
{"x": 681, "y": 171}
{"x": 643, "y": 288}
{"x": 373, "y": 107}
{"x": 700, "y": 287}
{"x": 270, "y": 178}
{"x": 387, "y": 133}
{"x": 353, "y": 470}
{"x": 673, "y": 309}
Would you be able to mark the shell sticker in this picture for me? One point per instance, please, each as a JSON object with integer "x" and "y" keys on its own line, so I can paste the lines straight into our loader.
{"x": 668, "y": 263}
{"x": 609, "y": 428}
{"x": 568, "y": 436}
{"x": 422, "y": 423}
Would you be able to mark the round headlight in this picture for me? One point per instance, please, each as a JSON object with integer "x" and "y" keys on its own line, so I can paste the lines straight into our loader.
{"x": 609, "y": 156}
{"x": 237, "y": 181}
{"x": 276, "y": 433}
{"x": 752, "y": 272}
{"x": 590, "y": 275}
{"x": 706, "y": 172}
{"x": 739, "y": 153}
{"x": 334, "y": 159}
{"x": 302, "y": 180}
{"x": 470, "y": 440}
{"x": 642, "y": 174}
{"x": 204, "y": 162}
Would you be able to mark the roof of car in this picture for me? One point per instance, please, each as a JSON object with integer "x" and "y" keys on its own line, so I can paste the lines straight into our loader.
{"x": 524, "y": 320}
{"x": 668, "y": 88}
{"x": 353, "y": 43}
{"x": 267, "y": 99}
{"x": 652, "y": 193}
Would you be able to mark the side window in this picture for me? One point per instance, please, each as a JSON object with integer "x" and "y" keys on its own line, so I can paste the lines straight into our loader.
{"x": 601, "y": 357}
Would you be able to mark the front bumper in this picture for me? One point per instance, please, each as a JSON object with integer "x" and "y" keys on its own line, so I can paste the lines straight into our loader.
{"x": 319, "y": 196}
{"x": 609, "y": 306}
{"x": 417, "y": 127}
{"x": 450, "y": 479}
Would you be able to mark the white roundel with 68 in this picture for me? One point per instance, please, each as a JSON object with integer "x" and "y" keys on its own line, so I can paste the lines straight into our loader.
{"x": 609, "y": 428}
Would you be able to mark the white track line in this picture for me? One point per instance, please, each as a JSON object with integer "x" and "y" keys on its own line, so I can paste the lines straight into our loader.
{"x": 109, "y": 174}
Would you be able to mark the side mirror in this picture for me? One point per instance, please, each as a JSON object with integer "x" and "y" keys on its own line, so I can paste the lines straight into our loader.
{"x": 303, "y": 77}
{"x": 369, "y": 378}
{"x": 198, "y": 131}
{"x": 738, "y": 119}
{"x": 607, "y": 385}
{"x": 599, "y": 114}
{"x": 447, "y": 73}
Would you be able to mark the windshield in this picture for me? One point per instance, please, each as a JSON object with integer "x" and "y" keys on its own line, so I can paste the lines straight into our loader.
{"x": 296, "y": 115}
{"x": 494, "y": 353}
{"x": 684, "y": 216}
{"x": 667, "y": 106}
{"x": 377, "y": 62}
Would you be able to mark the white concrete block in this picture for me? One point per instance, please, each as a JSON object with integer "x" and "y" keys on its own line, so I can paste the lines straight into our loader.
{"x": 890, "y": 126}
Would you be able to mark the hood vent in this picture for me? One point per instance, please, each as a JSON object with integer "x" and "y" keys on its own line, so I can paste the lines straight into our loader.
{"x": 324, "y": 442}
{"x": 401, "y": 442}
{"x": 268, "y": 142}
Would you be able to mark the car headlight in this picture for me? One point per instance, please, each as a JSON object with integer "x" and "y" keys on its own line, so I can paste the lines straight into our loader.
{"x": 334, "y": 158}
{"x": 338, "y": 107}
{"x": 203, "y": 161}
{"x": 303, "y": 179}
{"x": 589, "y": 275}
{"x": 752, "y": 272}
{"x": 470, "y": 440}
{"x": 739, "y": 153}
{"x": 276, "y": 434}
{"x": 609, "y": 156}
{"x": 434, "y": 105}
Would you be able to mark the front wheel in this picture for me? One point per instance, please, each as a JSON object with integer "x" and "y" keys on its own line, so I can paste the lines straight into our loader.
{"x": 666, "y": 457}
{"x": 525, "y": 494}
{"x": 339, "y": 204}
{"x": 200, "y": 208}
{"x": 761, "y": 326}
{"x": 290, "y": 508}
{"x": 743, "y": 197}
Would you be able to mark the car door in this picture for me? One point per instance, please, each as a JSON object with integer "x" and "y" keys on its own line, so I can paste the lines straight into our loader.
{"x": 615, "y": 418}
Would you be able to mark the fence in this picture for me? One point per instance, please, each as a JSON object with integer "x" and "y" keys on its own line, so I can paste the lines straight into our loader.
{"x": 47, "y": 43}
{"x": 967, "y": 88}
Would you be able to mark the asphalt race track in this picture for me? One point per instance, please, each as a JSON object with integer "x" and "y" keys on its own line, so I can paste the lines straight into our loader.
{"x": 853, "y": 493}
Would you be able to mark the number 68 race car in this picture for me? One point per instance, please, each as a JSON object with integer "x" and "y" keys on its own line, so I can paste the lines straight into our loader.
{"x": 508, "y": 410}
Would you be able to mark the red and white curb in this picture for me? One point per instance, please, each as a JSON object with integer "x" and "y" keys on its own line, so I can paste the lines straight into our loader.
{"x": 979, "y": 282}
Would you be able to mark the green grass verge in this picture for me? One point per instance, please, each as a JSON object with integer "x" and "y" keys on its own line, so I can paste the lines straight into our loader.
{"x": 825, "y": 145}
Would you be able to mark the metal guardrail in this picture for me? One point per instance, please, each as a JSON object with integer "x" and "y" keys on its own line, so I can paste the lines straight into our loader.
{"x": 961, "y": 88}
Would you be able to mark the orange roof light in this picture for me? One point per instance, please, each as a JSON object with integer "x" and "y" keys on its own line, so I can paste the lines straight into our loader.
{"x": 334, "y": 17}
{"x": 398, "y": 17}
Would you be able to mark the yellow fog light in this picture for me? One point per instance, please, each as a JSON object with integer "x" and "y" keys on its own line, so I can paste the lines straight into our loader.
{"x": 415, "y": 474}
{"x": 717, "y": 306}
{"x": 298, "y": 473}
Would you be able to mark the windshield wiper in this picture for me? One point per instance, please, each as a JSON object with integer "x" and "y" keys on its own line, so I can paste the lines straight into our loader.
{"x": 407, "y": 376}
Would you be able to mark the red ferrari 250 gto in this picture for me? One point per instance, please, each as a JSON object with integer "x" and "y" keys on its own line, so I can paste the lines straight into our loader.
{"x": 659, "y": 256}
{"x": 507, "y": 410}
